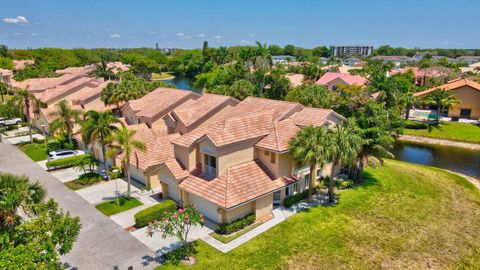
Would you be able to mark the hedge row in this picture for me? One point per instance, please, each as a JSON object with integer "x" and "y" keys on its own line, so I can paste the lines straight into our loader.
{"x": 228, "y": 228}
{"x": 155, "y": 212}
{"x": 295, "y": 198}
{"x": 66, "y": 162}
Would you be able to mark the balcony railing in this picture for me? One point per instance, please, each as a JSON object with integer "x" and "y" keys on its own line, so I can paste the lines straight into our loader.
{"x": 209, "y": 172}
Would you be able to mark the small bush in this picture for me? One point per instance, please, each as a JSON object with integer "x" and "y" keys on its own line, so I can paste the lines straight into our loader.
{"x": 295, "y": 198}
{"x": 345, "y": 184}
{"x": 115, "y": 175}
{"x": 89, "y": 178}
{"x": 177, "y": 255}
{"x": 66, "y": 162}
{"x": 38, "y": 141}
{"x": 155, "y": 212}
{"x": 69, "y": 146}
{"x": 24, "y": 124}
{"x": 54, "y": 145}
{"x": 235, "y": 226}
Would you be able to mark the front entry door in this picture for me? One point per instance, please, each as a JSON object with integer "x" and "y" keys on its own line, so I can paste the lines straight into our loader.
{"x": 276, "y": 198}
{"x": 465, "y": 113}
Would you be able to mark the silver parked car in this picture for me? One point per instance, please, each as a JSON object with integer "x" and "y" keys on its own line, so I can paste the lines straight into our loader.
{"x": 8, "y": 122}
{"x": 59, "y": 154}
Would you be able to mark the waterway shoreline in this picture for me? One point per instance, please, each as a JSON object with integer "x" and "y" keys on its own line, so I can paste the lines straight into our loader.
{"x": 427, "y": 140}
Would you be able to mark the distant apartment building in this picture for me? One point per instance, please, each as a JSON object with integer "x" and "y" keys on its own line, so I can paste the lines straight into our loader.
{"x": 168, "y": 50}
{"x": 351, "y": 50}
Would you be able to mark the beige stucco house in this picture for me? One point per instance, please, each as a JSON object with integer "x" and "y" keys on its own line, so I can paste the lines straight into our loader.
{"x": 240, "y": 164}
{"x": 467, "y": 91}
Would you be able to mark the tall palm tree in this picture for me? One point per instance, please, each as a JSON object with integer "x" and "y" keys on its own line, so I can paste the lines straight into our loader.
{"x": 311, "y": 146}
{"x": 126, "y": 143}
{"x": 65, "y": 119}
{"x": 345, "y": 146}
{"x": 409, "y": 100}
{"x": 16, "y": 192}
{"x": 263, "y": 51}
{"x": 99, "y": 126}
{"x": 441, "y": 99}
{"x": 24, "y": 99}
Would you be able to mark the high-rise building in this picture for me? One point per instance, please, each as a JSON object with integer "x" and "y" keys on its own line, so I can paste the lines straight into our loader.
{"x": 351, "y": 50}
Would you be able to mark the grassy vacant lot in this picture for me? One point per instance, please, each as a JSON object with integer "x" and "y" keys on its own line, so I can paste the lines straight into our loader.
{"x": 35, "y": 151}
{"x": 162, "y": 76}
{"x": 111, "y": 207}
{"x": 462, "y": 132}
{"x": 404, "y": 216}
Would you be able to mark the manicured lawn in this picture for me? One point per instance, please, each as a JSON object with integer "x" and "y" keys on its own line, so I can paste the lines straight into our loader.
{"x": 162, "y": 76}
{"x": 35, "y": 151}
{"x": 111, "y": 207}
{"x": 451, "y": 131}
{"x": 404, "y": 216}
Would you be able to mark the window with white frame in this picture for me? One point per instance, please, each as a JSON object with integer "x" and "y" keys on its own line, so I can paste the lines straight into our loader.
{"x": 288, "y": 190}
{"x": 306, "y": 181}
{"x": 295, "y": 188}
{"x": 318, "y": 174}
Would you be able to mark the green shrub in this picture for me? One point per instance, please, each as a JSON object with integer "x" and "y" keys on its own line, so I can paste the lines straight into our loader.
{"x": 115, "y": 175}
{"x": 66, "y": 162}
{"x": 409, "y": 124}
{"x": 54, "y": 145}
{"x": 155, "y": 212}
{"x": 177, "y": 255}
{"x": 345, "y": 184}
{"x": 287, "y": 202}
{"x": 38, "y": 141}
{"x": 24, "y": 124}
{"x": 235, "y": 226}
{"x": 89, "y": 178}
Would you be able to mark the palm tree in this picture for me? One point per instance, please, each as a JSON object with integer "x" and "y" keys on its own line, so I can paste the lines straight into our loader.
{"x": 65, "y": 119}
{"x": 311, "y": 146}
{"x": 263, "y": 51}
{"x": 441, "y": 99}
{"x": 16, "y": 192}
{"x": 126, "y": 143}
{"x": 102, "y": 70}
{"x": 345, "y": 146}
{"x": 99, "y": 126}
{"x": 24, "y": 98}
{"x": 3, "y": 89}
{"x": 409, "y": 100}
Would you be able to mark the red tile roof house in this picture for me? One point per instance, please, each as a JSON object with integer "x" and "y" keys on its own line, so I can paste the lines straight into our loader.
{"x": 173, "y": 112}
{"x": 332, "y": 79}
{"x": 467, "y": 91}
{"x": 241, "y": 164}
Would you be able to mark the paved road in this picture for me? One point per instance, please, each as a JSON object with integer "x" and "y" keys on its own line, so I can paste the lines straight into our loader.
{"x": 102, "y": 243}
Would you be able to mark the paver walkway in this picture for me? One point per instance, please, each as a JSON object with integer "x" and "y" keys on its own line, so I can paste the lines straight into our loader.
{"x": 21, "y": 139}
{"x": 102, "y": 243}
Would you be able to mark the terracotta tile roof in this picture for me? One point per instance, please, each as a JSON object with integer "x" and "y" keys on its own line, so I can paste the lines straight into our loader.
{"x": 295, "y": 79}
{"x": 158, "y": 146}
{"x": 282, "y": 109}
{"x": 238, "y": 184}
{"x": 58, "y": 92}
{"x": 89, "y": 94}
{"x": 232, "y": 129}
{"x": 279, "y": 137}
{"x": 189, "y": 114}
{"x": 159, "y": 102}
{"x": 176, "y": 169}
{"x": 349, "y": 79}
{"x": 422, "y": 72}
{"x": 451, "y": 85}
{"x": 40, "y": 84}
{"x": 5, "y": 72}
{"x": 21, "y": 64}
{"x": 83, "y": 71}
{"x": 314, "y": 116}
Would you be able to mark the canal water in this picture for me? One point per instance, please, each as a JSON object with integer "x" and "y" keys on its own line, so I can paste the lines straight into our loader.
{"x": 457, "y": 159}
{"x": 183, "y": 83}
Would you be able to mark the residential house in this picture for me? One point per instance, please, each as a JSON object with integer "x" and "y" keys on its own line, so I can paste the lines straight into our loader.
{"x": 241, "y": 164}
{"x": 468, "y": 59}
{"x": 422, "y": 75}
{"x": 332, "y": 79}
{"x": 283, "y": 59}
{"x": 295, "y": 79}
{"x": 351, "y": 61}
{"x": 397, "y": 61}
{"x": 155, "y": 105}
{"x": 86, "y": 70}
{"x": 6, "y": 76}
{"x": 467, "y": 91}
{"x": 474, "y": 68}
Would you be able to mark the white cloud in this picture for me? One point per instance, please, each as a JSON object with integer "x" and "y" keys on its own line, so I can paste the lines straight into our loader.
{"x": 17, "y": 34}
{"x": 115, "y": 36}
{"x": 180, "y": 34}
{"x": 201, "y": 35}
{"x": 252, "y": 35}
{"x": 188, "y": 37}
{"x": 34, "y": 34}
{"x": 152, "y": 33}
{"x": 246, "y": 41}
{"x": 16, "y": 20}
{"x": 217, "y": 37}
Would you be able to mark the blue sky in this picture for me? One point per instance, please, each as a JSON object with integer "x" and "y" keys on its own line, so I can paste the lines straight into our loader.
{"x": 186, "y": 23}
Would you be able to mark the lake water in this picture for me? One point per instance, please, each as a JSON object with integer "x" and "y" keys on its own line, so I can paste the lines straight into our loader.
{"x": 451, "y": 158}
{"x": 183, "y": 83}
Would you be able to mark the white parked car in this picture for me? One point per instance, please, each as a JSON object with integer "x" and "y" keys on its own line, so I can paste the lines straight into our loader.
{"x": 8, "y": 122}
{"x": 59, "y": 154}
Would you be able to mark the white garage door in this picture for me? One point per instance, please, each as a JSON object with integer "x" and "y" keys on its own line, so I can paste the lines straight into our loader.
{"x": 174, "y": 192}
{"x": 207, "y": 208}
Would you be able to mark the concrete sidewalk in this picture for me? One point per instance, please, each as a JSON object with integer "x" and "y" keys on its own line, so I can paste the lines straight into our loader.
{"x": 102, "y": 243}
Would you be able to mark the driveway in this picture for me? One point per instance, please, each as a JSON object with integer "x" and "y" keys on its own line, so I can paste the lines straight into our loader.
{"x": 102, "y": 243}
